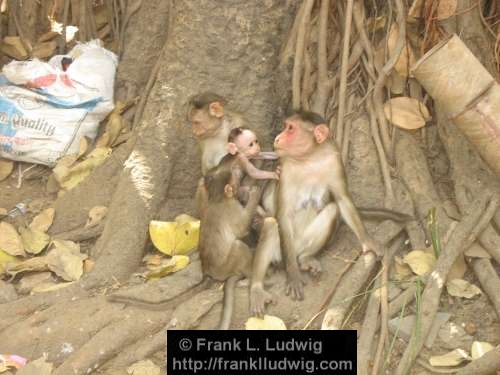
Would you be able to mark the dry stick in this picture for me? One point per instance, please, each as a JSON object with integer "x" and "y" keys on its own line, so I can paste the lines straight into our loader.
{"x": 322, "y": 90}
{"x": 347, "y": 130}
{"x": 464, "y": 235}
{"x": 378, "y": 92}
{"x": 358, "y": 17}
{"x": 154, "y": 73}
{"x": 489, "y": 280}
{"x": 368, "y": 331}
{"x": 384, "y": 307}
{"x": 299, "y": 53}
{"x": 306, "y": 78}
{"x": 289, "y": 47}
{"x": 486, "y": 365}
{"x": 344, "y": 70}
{"x": 356, "y": 278}
{"x": 384, "y": 165}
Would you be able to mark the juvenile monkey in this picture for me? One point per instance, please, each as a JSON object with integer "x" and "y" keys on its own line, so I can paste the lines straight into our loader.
{"x": 243, "y": 148}
{"x": 224, "y": 256}
{"x": 312, "y": 195}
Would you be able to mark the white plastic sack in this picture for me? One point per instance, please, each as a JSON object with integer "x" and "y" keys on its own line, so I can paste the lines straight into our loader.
{"x": 46, "y": 122}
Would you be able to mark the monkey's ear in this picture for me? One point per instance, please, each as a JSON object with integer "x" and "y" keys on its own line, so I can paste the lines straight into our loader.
{"x": 228, "y": 191}
{"x": 232, "y": 148}
{"x": 321, "y": 133}
{"x": 216, "y": 109}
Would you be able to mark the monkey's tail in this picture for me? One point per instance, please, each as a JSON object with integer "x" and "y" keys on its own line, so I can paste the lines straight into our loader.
{"x": 228, "y": 303}
{"x": 205, "y": 283}
{"x": 384, "y": 214}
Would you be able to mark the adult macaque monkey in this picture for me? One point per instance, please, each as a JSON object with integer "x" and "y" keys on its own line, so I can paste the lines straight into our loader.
{"x": 224, "y": 256}
{"x": 210, "y": 123}
{"x": 311, "y": 196}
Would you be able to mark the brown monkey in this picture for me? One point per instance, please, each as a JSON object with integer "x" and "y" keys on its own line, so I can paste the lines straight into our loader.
{"x": 210, "y": 123}
{"x": 224, "y": 256}
{"x": 312, "y": 195}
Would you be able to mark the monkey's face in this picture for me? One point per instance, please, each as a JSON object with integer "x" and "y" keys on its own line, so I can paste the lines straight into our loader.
{"x": 248, "y": 144}
{"x": 204, "y": 125}
{"x": 296, "y": 140}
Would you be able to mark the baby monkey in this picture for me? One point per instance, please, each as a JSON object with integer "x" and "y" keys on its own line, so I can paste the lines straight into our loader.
{"x": 243, "y": 146}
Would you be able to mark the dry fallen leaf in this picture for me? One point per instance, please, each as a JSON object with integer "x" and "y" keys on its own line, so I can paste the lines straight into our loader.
{"x": 480, "y": 348}
{"x": 406, "y": 58}
{"x": 174, "y": 264}
{"x": 420, "y": 262}
{"x": 61, "y": 170}
{"x": 401, "y": 270}
{"x": 78, "y": 172}
{"x": 146, "y": 367}
{"x": 177, "y": 237}
{"x": 88, "y": 265}
{"x": 10, "y": 240}
{"x": 3, "y": 211}
{"x": 446, "y": 9}
{"x": 43, "y": 220}
{"x": 453, "y": 358}
{"x": 462, "y": 288}
{"x": 6, "y": 168}
{"x": 34, "y": 241}
{"x": 13, "y": 47}
{"x": 36, "y": 264}
{"x": 83, "y": 147}
{"x": 44, "y": 50}
{"x": 396, "y": 83}
{"x": 96, "y": 214}
{"x": 268, "y": 323}
{"x": 6, "y": 260}
{"x": 65, "y": 260}
{"x": 406, "y": 113}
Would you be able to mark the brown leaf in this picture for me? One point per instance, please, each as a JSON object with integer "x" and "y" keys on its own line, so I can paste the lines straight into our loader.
{"x": 96, "y": 214}
{"x": 10, "y": 240}
{"x": 406, "y": 113}
{"x": 406, "y": 58}
{"x": 6, "y": 168}
{"x": 13, "y": 47}
{"x": 446, "y": 9}
{"x": 44, "y": 50}
{"x": 43, "y": 221}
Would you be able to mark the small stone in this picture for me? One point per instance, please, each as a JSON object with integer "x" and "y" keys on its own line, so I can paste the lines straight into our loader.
{"x": 7, "y": 292}
{"x": 28, "y": 282}
{"x": 470, "y": 328}
{"x": 453, "y": 336}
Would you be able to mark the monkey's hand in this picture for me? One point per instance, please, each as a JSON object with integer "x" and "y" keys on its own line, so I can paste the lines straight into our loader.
{"x": 259, "y": 298}
{"x": 371, "y": 245}
{"x": 295, "y": 285}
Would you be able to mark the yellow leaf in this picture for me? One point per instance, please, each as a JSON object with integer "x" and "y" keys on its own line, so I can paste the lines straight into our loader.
{"x": 173, "y": 237}
{"x": 83, "y": 147}
{"x": 268, "y": 323}
{"x": 453, "y": 358}
{"x": 401, "y": 270}
{"x": 6, "y": 168}
{"x": 10, "y": 241}
{"x": 420, "y": 262}
{"x": 5, "y": 260}
{"x": 43, "y": 221}
{"x": 34, "y": 241}
{"x": 78, "y": 172}
{"x": 462, "y": 288}
{"x": 31, "y": 265}
{"x": 61, "y": 170}
{"x": 174, "y": 264}
{"x": 480, "y": 348}
{"x": 406, "y": 113}
{"x": 96, "y": 214}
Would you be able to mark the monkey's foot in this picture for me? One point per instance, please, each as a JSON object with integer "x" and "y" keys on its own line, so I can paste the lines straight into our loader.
{"x": 310, "y": 264}
{"x": 259, "y": 298}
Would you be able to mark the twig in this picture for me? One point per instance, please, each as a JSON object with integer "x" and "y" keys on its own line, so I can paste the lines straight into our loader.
{"x": 344, "y": 70}
{"x": 299, "y": 54}
{"x": 347, "y": 130}
{"x": 319, "y": 105}
{"x": 464, "y": 235}
{"x": 378, "y": 92}
{"x": 368, "y": 331}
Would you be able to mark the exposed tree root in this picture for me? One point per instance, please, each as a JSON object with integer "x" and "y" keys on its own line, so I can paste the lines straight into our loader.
{"x": 354, "y": 280}
{"x": 489, "y": 280}
{"x": 464, "y": 235}
{"x": 486, "y": 365}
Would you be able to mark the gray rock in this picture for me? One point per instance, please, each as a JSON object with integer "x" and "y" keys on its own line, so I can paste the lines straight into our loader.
{"x": 406, "y": 327}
